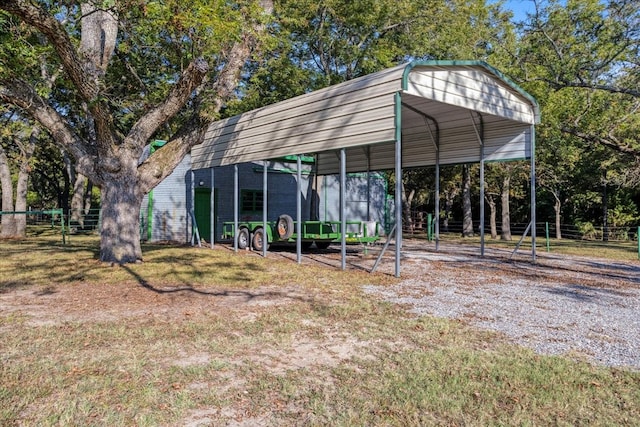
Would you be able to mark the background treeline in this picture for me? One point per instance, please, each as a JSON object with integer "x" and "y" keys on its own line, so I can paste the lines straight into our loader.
{"x": 580, "y": 59}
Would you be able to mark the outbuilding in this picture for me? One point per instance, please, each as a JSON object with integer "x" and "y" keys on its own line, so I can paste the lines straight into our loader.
{"x": 424, "y": 113}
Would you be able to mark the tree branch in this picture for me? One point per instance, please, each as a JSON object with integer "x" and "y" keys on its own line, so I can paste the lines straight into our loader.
{"x": 160, "y": 165}
{"x": 147, "y": 125}
{"x": 20, "y": 94}
{"x": 82, "y": 73}
{"x": 610, "y": 142}
{"x": 59, "y": 39}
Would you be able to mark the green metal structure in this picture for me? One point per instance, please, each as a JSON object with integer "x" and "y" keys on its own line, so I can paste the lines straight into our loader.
{"x": 251, "y": 233}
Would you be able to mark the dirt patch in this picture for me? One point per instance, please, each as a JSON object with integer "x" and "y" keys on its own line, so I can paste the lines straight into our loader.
{"x": 87, "y": 302}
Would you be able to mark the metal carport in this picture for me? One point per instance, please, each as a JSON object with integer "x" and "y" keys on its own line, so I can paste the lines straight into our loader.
{"x": 424, "y": 113}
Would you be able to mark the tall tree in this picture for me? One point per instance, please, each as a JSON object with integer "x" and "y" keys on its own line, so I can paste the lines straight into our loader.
{"x": 467, "y": 214}
{"x": 128, "y": 69}
{"x": 505, "y": 209}
{"x": 342, "y": 39}
{"x": 21, "y": 153}
{"x": 589, "y": 47}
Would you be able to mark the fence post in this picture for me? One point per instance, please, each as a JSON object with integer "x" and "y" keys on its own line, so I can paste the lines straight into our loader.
{"x": 429, "y": 227}
{"x": 546, "y": 229}
{"x": 638, "y": 239}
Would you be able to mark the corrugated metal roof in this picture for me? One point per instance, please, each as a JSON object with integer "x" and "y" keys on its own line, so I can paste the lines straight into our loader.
{"x": 455, "y": 100}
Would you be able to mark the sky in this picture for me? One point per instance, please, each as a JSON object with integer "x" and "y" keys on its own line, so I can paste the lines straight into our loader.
{"x": 519, "y": 8}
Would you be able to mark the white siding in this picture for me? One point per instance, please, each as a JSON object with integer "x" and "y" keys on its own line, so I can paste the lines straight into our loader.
{"x": 170, "y": 213}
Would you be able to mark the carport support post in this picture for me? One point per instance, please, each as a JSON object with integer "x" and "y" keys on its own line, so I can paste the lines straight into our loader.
{"x": 398, "y": 201}
{"x": 299, "y": 211}
{"x": 480, "y": 135}
{"x": 343, "y": 199}
{"x": 533, "y": 193}
{"x": 235, "y": 207}
{"x": 192, "y": 191}
{"x": 482, "y": 196}
{"x": 265, "y": 238}
{"x": 212, "y": 203}
{"x": 437, "y": 201}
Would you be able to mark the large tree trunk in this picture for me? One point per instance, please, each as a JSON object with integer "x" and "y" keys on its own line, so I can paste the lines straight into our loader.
{"x": 7, "y": 221}
{"x": 491, "y": 201}
{"x": 605, "y": 214}
{"x": 557, "y": 207}
{"x": 27, "y": 149}
{"x": 407, "y": 201}
{"x": 78, "y": 199}
{"x": 505, "y": 233}
{"x": 448, "y": 207}
{"x": 15, "y": 226}
{"x": 103, "y": 152}
{"x": 467, "y": 216}
{"x": 120, "y": 229}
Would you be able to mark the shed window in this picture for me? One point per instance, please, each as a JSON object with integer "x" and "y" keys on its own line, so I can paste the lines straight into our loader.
{"x": 251, "y": 201}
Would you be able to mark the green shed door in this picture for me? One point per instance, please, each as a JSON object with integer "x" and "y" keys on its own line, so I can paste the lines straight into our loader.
{"x": 202, "y": 210}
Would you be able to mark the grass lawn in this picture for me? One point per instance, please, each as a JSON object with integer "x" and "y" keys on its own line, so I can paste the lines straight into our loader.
{"x": 208, "y": 337}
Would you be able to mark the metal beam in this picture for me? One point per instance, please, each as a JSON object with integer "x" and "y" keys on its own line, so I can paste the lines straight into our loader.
{"x": 533, "y": 193}
{"x": 299, "y": 211}
{"x": 480, "y": 135}
{"x": 343, "y": 203}
{"x": 235, "y": 207}
{"x": 398, "y": 171}
{"x": 212, "y": 206}
{"x": 265, "y": 238}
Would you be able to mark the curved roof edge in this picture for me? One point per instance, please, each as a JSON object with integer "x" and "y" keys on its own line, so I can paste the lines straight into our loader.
{"x": 472, "y": 63}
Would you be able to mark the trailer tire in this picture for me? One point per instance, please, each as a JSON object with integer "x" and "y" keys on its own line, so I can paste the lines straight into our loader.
{"x": 284, "y": 226}
{"x": 259, "y": 239}
{"x": 243, "y": 238}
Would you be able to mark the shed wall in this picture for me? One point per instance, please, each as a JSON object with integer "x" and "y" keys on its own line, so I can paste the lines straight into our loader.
{"x": 281, "y": 190}
{"x": 170, "y": 211}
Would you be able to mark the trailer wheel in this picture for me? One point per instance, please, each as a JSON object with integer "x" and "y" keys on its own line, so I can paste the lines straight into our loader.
{"x": 322, "y": 245}
{"x": 284, "y": 226}
{"x": 243, "y": 238}
{"x": 258, "y": 240}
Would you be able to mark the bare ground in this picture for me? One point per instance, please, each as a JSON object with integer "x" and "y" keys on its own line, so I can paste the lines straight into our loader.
{"x": 586, "y": 307}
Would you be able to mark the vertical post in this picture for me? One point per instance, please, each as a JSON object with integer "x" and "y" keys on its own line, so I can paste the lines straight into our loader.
{"x": 368, "y": 154}
{"x": 299, "y": 211}
{"x": 533, "y": 193}
{"x": 235, "y": 207}
{"x": 64, "y": 240}
{"x": 265, "y": 234}
{"x": 343, "y": 199}
{"x": 192, "y": 214}
{"x": 212, "y": 207}
{"x": 546, "y": 229}
{"x": 398, "y": 171}
{"x": 638, "y": 239}
{"x": 437, "y": 201}
{"x": 482, "y": 195}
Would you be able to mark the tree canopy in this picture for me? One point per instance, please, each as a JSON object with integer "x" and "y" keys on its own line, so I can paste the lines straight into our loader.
{"x": 103, "y": 78}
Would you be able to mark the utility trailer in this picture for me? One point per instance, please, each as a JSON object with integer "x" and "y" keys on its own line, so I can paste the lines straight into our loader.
{"x": 322, "y": 233}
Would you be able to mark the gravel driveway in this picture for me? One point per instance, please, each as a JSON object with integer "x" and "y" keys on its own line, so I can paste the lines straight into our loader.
{"x": 585, "y": 307}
